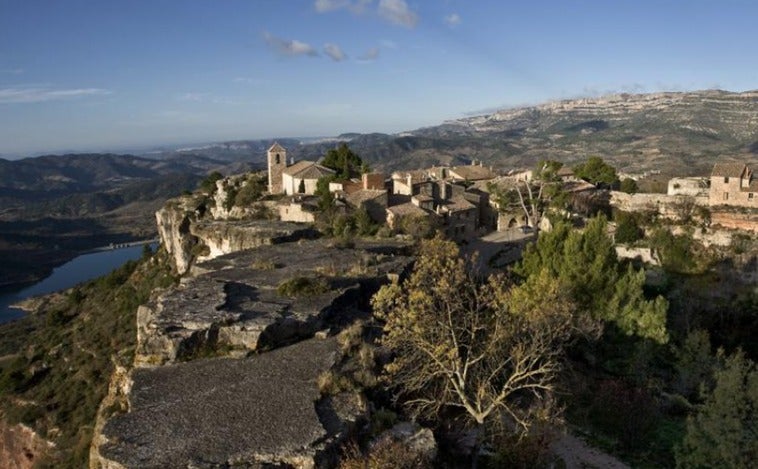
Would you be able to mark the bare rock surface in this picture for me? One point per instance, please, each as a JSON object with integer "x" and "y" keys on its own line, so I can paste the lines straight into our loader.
{"x": 235, "y": 307}
{"x": 189, "y": 234}
{"x": 219, "y": 412}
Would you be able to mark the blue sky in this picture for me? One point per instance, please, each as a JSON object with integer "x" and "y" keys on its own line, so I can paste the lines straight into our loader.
{"x": 105, "y": 74}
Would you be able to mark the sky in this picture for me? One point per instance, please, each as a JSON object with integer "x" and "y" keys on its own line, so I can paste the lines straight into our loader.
{"x": 103, "y": 75}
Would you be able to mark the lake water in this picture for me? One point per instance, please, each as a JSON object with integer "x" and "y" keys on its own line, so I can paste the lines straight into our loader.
{"x": 78, "y": 270}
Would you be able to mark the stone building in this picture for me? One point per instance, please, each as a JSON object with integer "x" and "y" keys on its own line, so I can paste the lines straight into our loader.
{"x": 298, "y": 178}
{"x": 733, "y": 184}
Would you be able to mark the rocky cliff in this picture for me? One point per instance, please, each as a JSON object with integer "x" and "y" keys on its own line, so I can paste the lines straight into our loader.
{"x": 226, "y": 365}
{"x": 193, "y": 229}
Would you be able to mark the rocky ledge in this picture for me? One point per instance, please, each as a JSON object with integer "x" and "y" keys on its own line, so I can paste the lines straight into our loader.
{"x": 222, "y": 412}
{"x": 189, "y": 234}
{"x": 235, "y": 305}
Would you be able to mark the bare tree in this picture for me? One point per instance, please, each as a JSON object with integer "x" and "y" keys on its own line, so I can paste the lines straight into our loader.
{"x": 487, "y": 349}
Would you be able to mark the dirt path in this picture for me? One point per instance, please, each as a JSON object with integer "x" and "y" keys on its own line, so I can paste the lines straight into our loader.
{"x": 576, "y": 454}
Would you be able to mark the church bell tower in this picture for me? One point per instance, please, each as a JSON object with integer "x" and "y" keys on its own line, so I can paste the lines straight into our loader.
{"x": 277, "y": 162}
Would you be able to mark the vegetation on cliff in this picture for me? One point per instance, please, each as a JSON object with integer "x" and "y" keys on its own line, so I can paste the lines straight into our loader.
{"x": 56, "y": 364}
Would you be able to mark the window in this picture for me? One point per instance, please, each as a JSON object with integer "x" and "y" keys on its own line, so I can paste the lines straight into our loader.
{"x": 749, "y": 195}
{"x": 726, "y": 179}
{"x": 277, "y": 158}
{"x": 726, "y": 195}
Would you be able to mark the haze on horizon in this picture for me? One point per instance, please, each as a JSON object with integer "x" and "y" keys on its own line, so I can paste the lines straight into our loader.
{"x": 90, "y": 76}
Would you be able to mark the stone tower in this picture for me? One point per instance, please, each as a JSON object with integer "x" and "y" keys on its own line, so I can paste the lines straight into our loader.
{"x": 277, "y": 162}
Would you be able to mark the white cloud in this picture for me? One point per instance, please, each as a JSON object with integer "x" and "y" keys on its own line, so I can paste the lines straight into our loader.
{"x": 193, "y": 97}
{"x": 356, "y": 6}
{"x": 13, "y": 71}
{"x": 397, "y": 12}
{"x": 43, "y": 94}
{"x": 453, "y": 19}
{"x": 370, "y": 55}
{"x": 291, "y": 47}
{"x": 389, "y": 44}
{"x": 334, "y": 52}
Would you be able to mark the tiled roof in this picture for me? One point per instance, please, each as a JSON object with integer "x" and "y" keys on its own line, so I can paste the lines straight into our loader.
{"x": 407, "y": 209}
{"x": 308, "y": 170}
{"x": 358, "y": 197}
{"x": 728, "y": 169}
{"x": 458, "y": 204}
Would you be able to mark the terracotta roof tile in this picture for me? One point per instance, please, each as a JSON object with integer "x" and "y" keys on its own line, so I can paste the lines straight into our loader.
{"x": 728, "y": 169}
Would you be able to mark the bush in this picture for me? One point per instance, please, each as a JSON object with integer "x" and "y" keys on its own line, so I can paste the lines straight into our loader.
{"x": 674, "y": 251}
{"x": 629, "y": 186}
{"x": 208, "y": 185}
{"x": 626, "y": 412}
{"x": 385, "y": 454}
{"x": 627, "y": 229}
{"x": 251, "y": 191}
{"x": 302, "y": 286}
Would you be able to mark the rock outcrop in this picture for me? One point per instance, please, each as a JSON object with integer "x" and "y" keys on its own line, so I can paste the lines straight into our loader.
{"x": 227, "y": 363}
{"x": 189, "y": 233}
{"x": 225, "y": 412}
{"x": 235, "y": 306}
{"x": 21, "y": 447}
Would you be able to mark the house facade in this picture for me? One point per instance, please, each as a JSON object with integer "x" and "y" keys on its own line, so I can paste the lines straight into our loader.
{"x": 732, "y": 184}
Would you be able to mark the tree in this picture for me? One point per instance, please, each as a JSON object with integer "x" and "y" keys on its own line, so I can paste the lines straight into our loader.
{"x": 585, "y": 264}
{"x": 629, "y": 186}
{"x": 597, "y": 171}
{"x": 325, "y": 197}
{"x": 627, "y": 229}
{"x": 724, "y": 432}
{"x": 533, "y": 197}
{"x": 481, "y": 347}
{"x": 344, "y": 161}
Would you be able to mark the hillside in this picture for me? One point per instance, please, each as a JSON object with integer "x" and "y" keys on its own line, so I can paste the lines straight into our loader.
{"x": 677, "y": 133}
{"x": 112, "y": 197}
{"x": 53, "y": 207}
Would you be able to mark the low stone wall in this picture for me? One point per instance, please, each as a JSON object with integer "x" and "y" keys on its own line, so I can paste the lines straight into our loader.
{"x": 665, "y": 204}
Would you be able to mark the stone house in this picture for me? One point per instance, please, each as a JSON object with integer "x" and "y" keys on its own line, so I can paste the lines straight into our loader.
{"x": 299, "y": 209}
{"x": 733, "y": 184}
{"x": 374, "y": 201}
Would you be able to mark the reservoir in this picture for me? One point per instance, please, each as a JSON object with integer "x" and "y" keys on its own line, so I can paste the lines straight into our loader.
{"x": 78, "y": 270}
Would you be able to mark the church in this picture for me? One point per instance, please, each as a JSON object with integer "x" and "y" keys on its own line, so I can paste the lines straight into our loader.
{"x": 297, "y": 178}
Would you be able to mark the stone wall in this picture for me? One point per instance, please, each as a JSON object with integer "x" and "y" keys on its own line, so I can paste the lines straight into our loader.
{"x": 666, "y": 205}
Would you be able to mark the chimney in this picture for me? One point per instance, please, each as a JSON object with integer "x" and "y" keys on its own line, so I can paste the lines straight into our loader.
{"x": 410, "y": 181}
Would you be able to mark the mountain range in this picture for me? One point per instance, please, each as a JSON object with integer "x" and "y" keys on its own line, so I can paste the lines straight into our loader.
{"x": 93, "y": 195}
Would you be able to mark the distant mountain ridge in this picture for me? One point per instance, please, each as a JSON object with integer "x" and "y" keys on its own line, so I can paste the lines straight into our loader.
{"x": 673, "y": 132}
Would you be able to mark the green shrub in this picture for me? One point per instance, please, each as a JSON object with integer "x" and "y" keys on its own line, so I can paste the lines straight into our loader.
{"x": 626, "y": 412}
{"x": 208, "y": 185}
{"x": 251, "y": 191}
{"x": 627, "y": 228}
{"x": 302, "y": 286}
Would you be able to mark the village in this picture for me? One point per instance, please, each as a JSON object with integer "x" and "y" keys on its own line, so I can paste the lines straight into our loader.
{"x": 472, "y": 201}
